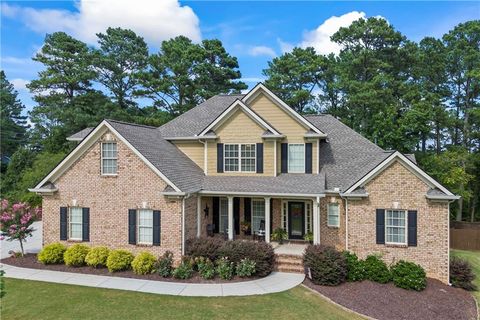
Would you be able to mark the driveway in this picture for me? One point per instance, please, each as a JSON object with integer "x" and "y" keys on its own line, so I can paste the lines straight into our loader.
{"x": 32, "y": 245}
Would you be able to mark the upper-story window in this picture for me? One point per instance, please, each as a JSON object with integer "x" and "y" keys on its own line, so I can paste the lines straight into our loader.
{"x": 239, "y": 157}
{"x": 296, "y": 158}
{"x": 109, "y": 158}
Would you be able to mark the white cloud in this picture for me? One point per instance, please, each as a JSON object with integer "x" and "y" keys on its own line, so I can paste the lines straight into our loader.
{"x": 252, "y": 79}
{"x": 319, "y": 38}
{"x": 154, "y": 20}
{"x": 20, "y": 84}
{"x": 262, "y": 51}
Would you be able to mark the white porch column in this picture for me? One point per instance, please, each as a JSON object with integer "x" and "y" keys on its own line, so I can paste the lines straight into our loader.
{"x": 199, "y": 216}
{"x": 230, "y": 218}
{"x": 316, "y": 221}
{"x": 267, "y": 220}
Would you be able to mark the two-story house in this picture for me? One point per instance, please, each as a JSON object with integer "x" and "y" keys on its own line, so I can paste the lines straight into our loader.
{"x": 245, "y": 160}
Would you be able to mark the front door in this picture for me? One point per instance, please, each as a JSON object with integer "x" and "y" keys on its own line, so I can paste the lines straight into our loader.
{"x": 296, "y": 220}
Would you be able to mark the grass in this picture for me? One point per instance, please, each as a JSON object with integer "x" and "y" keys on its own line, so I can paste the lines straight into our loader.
{"x": 40, "y": 300}
{"x": 474, "y": 258}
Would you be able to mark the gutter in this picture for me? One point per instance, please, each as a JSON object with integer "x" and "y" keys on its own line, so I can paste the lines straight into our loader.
{"x": 43, "y": 190}
{"x": 263, "y": 194}
{"x": 445, "y": 197}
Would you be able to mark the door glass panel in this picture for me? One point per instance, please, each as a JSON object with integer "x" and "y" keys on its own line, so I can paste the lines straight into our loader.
{"x": 296, "y": 216}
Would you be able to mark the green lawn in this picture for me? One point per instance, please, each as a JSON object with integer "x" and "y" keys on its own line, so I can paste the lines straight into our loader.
{"x": 474, "y": 258}
{"x": 41, "y": 300}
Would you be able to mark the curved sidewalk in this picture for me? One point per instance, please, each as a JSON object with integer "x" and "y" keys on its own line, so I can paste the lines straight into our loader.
{"x": 275, "y": 282}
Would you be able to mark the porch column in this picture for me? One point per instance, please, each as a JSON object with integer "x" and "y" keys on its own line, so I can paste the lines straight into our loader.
{"x": 267, "y": 220}
{"x": 230, "y": 218}
{"x": 316, "y": 221}
{"x": 199, "y": 216}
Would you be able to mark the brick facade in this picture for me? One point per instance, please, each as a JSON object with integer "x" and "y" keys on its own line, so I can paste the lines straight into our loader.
{"x": 398, "y": 184}
{"x": 332, "y": 236}
{"x": 110, "y": 197}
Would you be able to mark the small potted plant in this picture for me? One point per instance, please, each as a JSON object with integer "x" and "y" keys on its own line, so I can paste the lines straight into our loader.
{"x": 279, "y": 235}
{"x": 245, "y": 227}
{"x": 308, "y": 237}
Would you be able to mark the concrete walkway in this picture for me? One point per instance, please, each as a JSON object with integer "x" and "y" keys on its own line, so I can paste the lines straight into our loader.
{"x": 275, "y": 282}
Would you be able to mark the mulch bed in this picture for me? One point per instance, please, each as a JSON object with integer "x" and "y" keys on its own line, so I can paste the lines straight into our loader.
{"x": 30, "y": 261}
{"x": 385, "y": 301}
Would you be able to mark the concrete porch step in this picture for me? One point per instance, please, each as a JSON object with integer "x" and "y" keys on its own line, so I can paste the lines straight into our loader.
{"x": 289, "y": 263}
{"x": 289, "y": 269}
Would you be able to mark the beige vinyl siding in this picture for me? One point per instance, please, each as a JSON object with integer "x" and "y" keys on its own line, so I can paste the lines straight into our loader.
{"x": 240, "y": 128}
{"x": 279, "y": 119}
{"x": 192, "y": 149}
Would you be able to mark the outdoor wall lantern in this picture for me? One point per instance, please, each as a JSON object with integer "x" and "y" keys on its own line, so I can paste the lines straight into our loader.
{"x": 206, "y": 210}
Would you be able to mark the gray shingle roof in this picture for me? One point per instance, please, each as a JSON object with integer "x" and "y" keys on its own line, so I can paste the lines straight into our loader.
{"x": 78, "y": 136}
{"x": 195, "y": 120}
{"x": 346, "y": 156}
{"x": 167, "y": 158}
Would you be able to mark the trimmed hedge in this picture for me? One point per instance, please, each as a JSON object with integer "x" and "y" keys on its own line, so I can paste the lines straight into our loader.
{"x": 52, "y": 253}
{"x": 75, "y": 255}
{"x": 184, "y": 270}
{"x": 327, "y": 265}
{"x": 376, "y": 270}
{"x": 206, "y": 247}
{"x": 461, "y": 274}
{"x": 119, "y": 260}
{"x": 408, "y": 275}
{"x": 144, "y": 263}
{"x": 97, "y": 257}
{"x": 355, "y": 267}
{"x": 164, "y": 265}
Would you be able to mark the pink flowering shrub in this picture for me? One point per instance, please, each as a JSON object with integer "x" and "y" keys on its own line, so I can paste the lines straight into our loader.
{"x": 16, "y": 221}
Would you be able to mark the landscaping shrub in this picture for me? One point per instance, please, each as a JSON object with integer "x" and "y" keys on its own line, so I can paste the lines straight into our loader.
{"x": 461, "y": 274}
{"x": 259, "y": 252}
{"x": 119, "y": 260}
{"x": 205, "y": 266}
{"x": 245, "y": 268}
{"x": 204, "y": 247}
{"x": 408, "y": 275}
{"x": 327, "y": 265}
{"x": 144, "y": 263}
{"x": 355, "y": 267}
{"x": 97, "y": 257}
{"x": 52, "y": 253}
{"x": 75, "y": 255}
{"x": 184, "y": 270}
{"x": 225, "y": 268}
{"x": 376, "y": 270}
{"x": 164, "y": 264}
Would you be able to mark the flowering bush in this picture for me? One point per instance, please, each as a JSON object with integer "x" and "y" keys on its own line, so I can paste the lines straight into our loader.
{"x": 16, "y": 221}
{"x": 245, "y": 268}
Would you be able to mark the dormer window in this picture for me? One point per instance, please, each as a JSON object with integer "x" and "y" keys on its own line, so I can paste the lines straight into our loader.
{"x": 109, "y": 158}
{"x": 240, "y": 157}
{"x": 296, "y": 158}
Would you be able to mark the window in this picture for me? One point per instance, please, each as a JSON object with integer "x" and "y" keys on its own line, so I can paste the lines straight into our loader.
{"x": 145, "y": 226}
{"x": 284, "y": 215}
{"x": 395, "y": 226}
{"x": 258, "y": 214}
{"x": 333, "y": 215}
{"x": 296, "y": 158}
{"x": 240, "y": 157}
{"x": 223, "y": 215}
{"x": 308, "y": 220}
{"x": 75, "y": 223}
{"x": 109, "y": 158}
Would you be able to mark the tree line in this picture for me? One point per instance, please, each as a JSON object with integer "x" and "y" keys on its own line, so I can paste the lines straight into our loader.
{"x": 420, "y": 98}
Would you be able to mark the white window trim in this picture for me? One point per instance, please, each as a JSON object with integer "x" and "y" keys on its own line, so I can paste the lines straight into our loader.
{"x": 239, "y": 157}
{"x": 285, "y": 215}
{"x": 405, "y": 227}
{"x": 308, "y": 217}
{"x": 138, "y": 227}
{"x": 107, "y": 158}
{"x": 288, "y": 157}
{"x": 222, "y": 216}
{"x": 328, "y": 214}
{"x": 70, "y": 223}
{"x": 264, "y": 213}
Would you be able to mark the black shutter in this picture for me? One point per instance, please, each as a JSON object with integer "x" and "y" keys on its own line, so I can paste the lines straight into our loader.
{"x": 216, "y": 213}
{"x": 132, "y": 226}
{"x": 259, "y": 157}
{"x": 85, "y": 224}
{"x": 219, "y": 157}
{"x": 284, "y": 155}
{"x": 380, "y": 226}
{"x": 63, "y": 223}
{"x": 247, "y": 211}
{"x": 308, "y": 158}
{"x": 236, "y": 215}
{"x": 156, "y": 227}
{"x": 271, "y": 215}
{"x": 412, "y": 228}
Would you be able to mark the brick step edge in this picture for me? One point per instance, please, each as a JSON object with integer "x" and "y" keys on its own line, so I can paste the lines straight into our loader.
{"x": 289, "y": 270}
{"x": 289, "y": 263}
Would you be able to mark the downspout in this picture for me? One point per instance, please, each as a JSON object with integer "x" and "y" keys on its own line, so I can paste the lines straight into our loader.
{"x": 346, "y": 224}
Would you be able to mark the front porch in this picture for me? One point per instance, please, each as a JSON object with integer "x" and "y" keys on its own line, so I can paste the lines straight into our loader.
{"x": 256, "y": 218}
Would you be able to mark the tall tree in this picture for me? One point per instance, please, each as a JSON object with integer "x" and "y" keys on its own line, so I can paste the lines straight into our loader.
{"x": 13, "y": 125}
{"x": 184, "y": 74}
{"x": 121, "y": 57}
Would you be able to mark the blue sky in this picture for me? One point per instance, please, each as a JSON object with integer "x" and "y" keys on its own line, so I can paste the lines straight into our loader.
{"x": 254, "y": 32}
